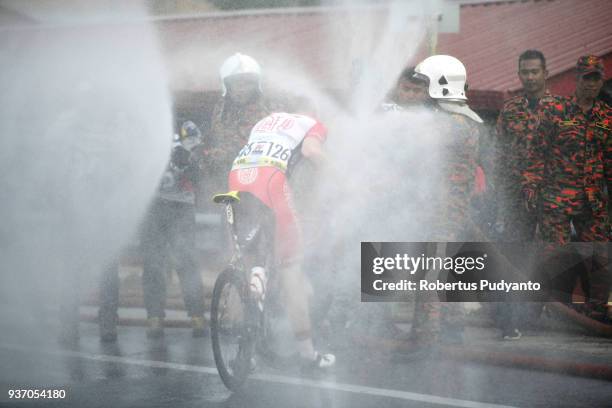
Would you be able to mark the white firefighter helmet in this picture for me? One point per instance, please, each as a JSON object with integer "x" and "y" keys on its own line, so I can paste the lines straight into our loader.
{"x": 239, "y": 64}
{"x": 445, "y": 76}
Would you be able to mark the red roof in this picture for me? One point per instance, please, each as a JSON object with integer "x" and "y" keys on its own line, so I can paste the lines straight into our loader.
{"x": 491, "y": 37}
{"x": 310, "y": 39}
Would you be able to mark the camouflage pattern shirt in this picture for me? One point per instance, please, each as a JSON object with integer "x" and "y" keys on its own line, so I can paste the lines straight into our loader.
{"x": 571, "y": 164}
{"x": 459, "y": 156}
{"x": 516, "y": 134}
{"x": 449, "y": 216}
{"x": 229, "y": 132}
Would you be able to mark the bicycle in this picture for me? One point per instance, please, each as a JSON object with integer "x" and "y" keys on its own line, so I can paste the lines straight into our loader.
{"x": 241, "y": 320}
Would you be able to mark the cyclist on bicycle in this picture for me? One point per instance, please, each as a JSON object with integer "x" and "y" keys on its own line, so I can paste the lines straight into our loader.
{"x": 276, "y": 143}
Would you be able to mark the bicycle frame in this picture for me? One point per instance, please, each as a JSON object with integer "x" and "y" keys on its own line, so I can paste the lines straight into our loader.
{"x": 251, "y": 235}
{"x": 237, "y": 259}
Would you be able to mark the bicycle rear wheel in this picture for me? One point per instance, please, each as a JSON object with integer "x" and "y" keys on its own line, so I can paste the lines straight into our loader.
{"x": 233, "y": 328}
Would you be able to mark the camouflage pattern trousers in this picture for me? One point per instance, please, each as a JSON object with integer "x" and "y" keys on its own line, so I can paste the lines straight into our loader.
{"x": 435, "y": 320}
{"x": 558, "y": 230}
{"x": 519, "y": 224}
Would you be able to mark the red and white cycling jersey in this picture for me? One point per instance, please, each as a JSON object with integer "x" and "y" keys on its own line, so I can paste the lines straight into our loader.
{"x": 261, "y": 169}
{"x": 274, "y": 139}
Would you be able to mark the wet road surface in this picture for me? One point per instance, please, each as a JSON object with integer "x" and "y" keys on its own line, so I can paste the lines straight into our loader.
{"x": 179, "y": 371}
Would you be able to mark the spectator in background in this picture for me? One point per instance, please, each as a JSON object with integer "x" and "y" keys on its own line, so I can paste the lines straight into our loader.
{"x": 569, "y": 175}
{"x": 406, "y": 93}
{"x": 169, "y": 232}
{"x": 605, "y": 95}
{"x": 109, "y": 302}
{"x": 516, "y": 137}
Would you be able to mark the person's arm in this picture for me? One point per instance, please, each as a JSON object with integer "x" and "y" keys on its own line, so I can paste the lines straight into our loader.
{"x": 504, "y": 160}
{"x": 462, "y": 164}
{"x": 535, "y": 172}
{"x": 212, "y": 153}
{"x": 312, "y": 145}
{"x": 312, "y": 149}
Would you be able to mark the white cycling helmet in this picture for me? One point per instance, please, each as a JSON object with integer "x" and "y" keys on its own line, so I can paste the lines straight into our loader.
{"x": 445, "y": 76}
{"x": 239, "y": 64}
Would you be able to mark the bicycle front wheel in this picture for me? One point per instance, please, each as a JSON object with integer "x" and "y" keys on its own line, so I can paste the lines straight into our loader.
{"x": 233, "y": 328}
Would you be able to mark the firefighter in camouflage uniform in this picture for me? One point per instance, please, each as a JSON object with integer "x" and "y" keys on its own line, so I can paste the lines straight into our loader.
{"x": 516, "y": 131}
{"x": 443, "y": 78}
{"x": 516, "y": 139}
{"x": 571, "y": 171}
{"x": 242, "y": 105}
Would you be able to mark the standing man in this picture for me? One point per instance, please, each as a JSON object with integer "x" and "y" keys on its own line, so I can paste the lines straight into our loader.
{"x": 406, "y": 93}
{"x": 241, "y": 106}
{"x": 109, "y": 302}
{"x": 169, "y": 232}
{"x": 457, "y": 123}
{"x": 571, "y": 173}
{"x": 516, "y": 136}
{"x": 442, "y": 78}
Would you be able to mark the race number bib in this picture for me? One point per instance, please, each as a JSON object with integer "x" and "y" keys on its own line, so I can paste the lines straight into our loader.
{"x": 264, "y": 153}
{"x": 273, "y": 140}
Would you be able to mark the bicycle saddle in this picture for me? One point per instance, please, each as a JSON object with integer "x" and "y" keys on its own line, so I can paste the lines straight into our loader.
{"x": 229, "y": 197}
{"x": 252, "y": 219}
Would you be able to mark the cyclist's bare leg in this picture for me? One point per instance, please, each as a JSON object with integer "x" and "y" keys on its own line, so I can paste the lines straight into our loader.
{"x": 296, "y": 293}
